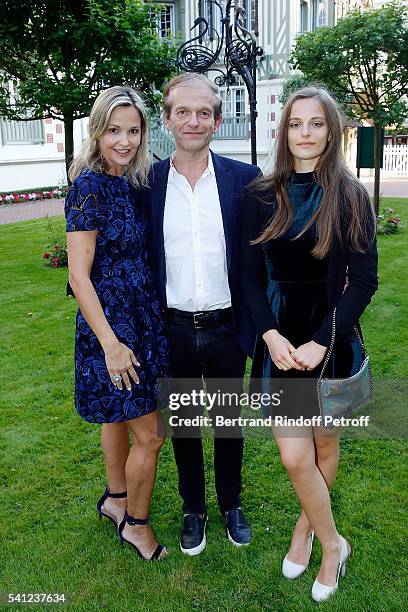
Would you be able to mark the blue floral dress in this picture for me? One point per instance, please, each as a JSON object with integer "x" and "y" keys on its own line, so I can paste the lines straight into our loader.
{"x": 124, "y": 285}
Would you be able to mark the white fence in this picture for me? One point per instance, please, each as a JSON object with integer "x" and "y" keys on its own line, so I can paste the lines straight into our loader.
{"x": 395, "y": 160}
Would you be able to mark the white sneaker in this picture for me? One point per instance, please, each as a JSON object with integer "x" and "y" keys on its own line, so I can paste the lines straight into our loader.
{"x": 321, "y": 592}
{"x": 294, "y": 570}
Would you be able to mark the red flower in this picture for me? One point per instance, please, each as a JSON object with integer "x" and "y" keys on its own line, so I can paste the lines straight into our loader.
{"x": 46, "y": 255}
{"x": 55, "y": 259}
{"x": 54, "y": 265}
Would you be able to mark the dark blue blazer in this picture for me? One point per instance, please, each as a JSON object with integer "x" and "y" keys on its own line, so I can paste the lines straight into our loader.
{"x": 232, "y": 177}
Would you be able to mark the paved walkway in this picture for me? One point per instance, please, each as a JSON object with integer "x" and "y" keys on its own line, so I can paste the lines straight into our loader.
{"x": 391, "y": 188}
{"x": 12, "y": 213}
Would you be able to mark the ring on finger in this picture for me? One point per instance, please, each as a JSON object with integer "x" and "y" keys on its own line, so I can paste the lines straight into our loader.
{"x": 117, "y": 378}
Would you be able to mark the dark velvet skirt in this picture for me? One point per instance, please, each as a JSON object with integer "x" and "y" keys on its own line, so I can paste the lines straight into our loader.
{"x": 299, "y": 308}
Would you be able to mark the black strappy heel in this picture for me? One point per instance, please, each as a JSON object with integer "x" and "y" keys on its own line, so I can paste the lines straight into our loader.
{"x": 130, "y": 520}
{"x": 102, "y": 501}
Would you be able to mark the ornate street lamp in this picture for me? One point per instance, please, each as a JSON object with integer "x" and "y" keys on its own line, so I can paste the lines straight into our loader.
{"x": 235, "y": 48}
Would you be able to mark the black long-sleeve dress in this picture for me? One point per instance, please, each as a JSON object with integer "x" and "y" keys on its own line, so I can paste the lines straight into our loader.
{"x": 290, "y": 290}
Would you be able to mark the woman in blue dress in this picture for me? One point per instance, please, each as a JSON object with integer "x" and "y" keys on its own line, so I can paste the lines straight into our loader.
{"x": 308, "y": 247}
{"x": 120, "y": 346}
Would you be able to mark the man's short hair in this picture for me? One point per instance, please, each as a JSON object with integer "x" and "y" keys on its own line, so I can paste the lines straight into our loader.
{"x": 191, "y": 78}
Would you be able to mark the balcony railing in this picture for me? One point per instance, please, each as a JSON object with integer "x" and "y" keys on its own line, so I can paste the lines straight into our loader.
{"x": 161, "y": 143}
{"x": 21, "y": 132}
{"x": 233, "y": 128}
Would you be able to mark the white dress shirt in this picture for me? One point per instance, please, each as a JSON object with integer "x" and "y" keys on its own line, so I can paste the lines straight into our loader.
{"x": 194, "y": 244}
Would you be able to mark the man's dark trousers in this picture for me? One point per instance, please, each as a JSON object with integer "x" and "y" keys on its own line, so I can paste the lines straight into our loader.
{"x": 213, "y": 353}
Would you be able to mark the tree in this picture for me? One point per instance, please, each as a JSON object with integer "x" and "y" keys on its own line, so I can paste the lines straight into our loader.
{"x": 363, "y": 59}
{"x": 292, "y": 84}
{"x": 59, "y": 54}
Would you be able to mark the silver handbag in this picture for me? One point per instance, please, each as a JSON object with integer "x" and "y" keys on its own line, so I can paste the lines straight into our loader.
{"x": 340, "y": 397}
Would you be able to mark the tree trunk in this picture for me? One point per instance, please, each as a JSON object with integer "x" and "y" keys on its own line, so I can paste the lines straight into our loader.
{"x": 377, "y": 168}
{"x": 69, "y": 143}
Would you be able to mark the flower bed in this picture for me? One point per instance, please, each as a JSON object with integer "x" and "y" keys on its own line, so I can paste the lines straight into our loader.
{"x": 18, "y": 197}
{"x": 389, "y": 222}
{"x": 56, "y": 254}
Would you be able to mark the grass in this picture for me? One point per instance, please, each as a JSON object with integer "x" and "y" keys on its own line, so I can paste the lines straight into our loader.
{"x": 52, "y": 473}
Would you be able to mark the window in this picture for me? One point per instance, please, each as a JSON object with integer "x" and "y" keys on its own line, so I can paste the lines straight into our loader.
{"x": 321, "y": 18}
{"x": 233, "y": 102}
{"x": 21, "y": 132}
{"x": 318, "y": 14}
{"x": 251, "y": 15}
{"x": 304, "y": 16}
{"x": 239, "y": 103}
{"x": 209, "y": 13}
{"x": 212, "y": 14}
{"x": 235, "y": 122}
{"x": 206, "y": 11}
{"x": 165, "y": 21}
{"x": 254, "y": 17}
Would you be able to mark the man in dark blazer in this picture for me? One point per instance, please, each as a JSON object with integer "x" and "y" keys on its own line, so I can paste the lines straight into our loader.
{"x": 195, "y": 206}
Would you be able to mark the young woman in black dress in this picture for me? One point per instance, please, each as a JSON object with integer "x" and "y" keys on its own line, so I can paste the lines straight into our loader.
{"x": 120, "y": 345}
{"x": 308, "y": 247}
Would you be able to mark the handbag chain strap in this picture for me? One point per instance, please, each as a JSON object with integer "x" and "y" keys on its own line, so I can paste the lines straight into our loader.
{"x": 332, "y": 341}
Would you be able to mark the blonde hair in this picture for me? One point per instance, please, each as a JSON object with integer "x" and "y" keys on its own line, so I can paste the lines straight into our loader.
{"x": 90, "y": 157}
{"x": 191, "y": 78}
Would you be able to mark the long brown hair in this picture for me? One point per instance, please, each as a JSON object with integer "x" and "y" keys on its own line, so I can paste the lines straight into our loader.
{"x": 344, "y": 197}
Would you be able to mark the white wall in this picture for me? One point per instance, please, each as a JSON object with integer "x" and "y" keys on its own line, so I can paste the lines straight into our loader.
{"x": 30, "y": 166}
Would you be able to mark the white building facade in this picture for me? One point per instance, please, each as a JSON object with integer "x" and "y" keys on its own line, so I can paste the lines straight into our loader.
{"x": 32, "y": 153}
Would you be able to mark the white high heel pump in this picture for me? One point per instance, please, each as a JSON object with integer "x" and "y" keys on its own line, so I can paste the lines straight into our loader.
{"x": 321, "y": 592}
{"x": 293, "y": 570}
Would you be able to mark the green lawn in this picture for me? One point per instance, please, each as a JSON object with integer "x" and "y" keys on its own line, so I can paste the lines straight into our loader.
{"x": 52, "y": 473}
